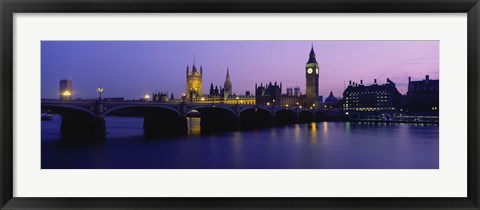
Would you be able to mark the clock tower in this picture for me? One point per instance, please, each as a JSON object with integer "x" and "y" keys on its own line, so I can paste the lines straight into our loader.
{"x": 311, "y": 74}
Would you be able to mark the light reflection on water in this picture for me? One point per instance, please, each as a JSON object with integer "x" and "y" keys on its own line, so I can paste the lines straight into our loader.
{"x": 331, "y": 145}
{"x": 193, "y": 124}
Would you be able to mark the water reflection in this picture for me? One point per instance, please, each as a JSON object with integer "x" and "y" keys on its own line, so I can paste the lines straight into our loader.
{"x": 322, "y": 145}
{"x": 313, "y": 133}
{"x": 297, "y": 132}
{"x": 193, "y": 126}
{"x": 325, "y": 130}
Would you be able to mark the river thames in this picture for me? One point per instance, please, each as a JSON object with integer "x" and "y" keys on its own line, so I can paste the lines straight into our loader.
{"x": 320, "y": 145}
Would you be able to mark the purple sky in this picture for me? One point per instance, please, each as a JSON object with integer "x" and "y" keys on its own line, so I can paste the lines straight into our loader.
{"x": 132, "y": 69}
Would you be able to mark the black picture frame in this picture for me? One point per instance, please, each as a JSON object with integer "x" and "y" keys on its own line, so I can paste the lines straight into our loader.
{"x": 9, "y": 7}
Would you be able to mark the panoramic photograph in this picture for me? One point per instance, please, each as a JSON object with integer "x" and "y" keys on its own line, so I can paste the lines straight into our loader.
{"x": 253, "y": 104}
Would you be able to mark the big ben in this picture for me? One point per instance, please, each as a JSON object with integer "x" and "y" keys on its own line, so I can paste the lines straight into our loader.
{"x": 311, "y": 74}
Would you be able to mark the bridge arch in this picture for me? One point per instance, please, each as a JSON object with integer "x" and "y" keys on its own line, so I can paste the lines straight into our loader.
{"x": 158, "y": 119}
{"x": 142, "y": 107}
{"x": 305, "y": 116}
{"x": 256, "y": 107}
{"x": 255, "y": 117}
{"x": 64, "y": 110}
{"x": 204, "y": 107}
{"x": 215, "y": 118}
{"x": 78, "y": 122}
{"x": 285, "y": 116}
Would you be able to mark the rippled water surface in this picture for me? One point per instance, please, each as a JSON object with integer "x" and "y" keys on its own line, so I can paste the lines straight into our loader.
{"x": 321, "y": 145}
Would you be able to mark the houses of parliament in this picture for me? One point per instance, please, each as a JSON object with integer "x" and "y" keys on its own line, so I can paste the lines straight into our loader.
{"x": 265, "y": 94}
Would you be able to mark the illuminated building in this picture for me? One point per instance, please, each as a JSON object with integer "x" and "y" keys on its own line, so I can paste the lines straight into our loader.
{"x": 194, "y": 82}
{"x": 311, "y": 74}
{"x": 373, "y": 98}
{"x": 66, "y": 89}
{"x": 422, "y": 96}
{"x": 217, "y": 94}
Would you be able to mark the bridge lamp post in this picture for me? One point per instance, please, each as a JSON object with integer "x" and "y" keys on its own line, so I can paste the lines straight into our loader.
{"x": 99, "y": 91}
{"x": 147, "y": 97}
{"x": 183, "y": 97}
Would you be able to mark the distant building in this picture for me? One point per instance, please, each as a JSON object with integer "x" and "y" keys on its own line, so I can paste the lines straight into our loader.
{"x": 423, "y": 96}
{"x": 194, "y": 83}
{"x": 290, "y": 91}
{"x": 311, "y": 74}
{"x": 66, "y": 89}
{"x": 271, "y": 94}
{"x": 227, "y": 92}
{"x": 292, "y": 100}
{"x": 268, "y": 94}
{"x": 218, "y": 94}
{"x": 373, "y": 98}
{"x": 331, "y": 102}
{"x": 296, "y": 91}
{"x": 161, "y": 97}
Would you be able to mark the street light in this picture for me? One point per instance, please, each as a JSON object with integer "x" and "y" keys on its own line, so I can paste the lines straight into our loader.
{"x": 147, "y": 97}
{"x": 99, "y": 91}
{"x": 183, "y": 97}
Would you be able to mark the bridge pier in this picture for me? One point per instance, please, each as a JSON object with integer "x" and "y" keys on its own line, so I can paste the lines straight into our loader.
{"x": 85, "y": 128}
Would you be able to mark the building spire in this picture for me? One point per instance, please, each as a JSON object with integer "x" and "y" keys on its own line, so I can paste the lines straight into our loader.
{"x": 228, "y": 74}
{"x": 312, "y": 58}
{"x": 194, "y": 69}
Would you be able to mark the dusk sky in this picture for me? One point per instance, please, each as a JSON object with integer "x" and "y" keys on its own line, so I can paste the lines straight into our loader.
{"x": 132, "y": 69}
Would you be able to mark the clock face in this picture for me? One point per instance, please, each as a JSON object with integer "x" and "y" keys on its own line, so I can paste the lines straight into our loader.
{"x": 309, "y": 70}
{"x": 316, "y": 70}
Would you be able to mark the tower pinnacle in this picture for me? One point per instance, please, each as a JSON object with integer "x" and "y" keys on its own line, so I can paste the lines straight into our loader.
{"x": 227, "y": 85}
{"x": 312, "y": 58}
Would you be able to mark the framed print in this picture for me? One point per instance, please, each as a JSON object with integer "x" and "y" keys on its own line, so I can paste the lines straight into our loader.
{"x": 239, "y": 105}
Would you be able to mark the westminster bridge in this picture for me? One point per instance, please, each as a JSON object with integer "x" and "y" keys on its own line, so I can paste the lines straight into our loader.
{"x": 82, "y": 118}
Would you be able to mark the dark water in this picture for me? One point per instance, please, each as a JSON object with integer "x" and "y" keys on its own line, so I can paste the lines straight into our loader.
{"x": 322, "y": 145}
